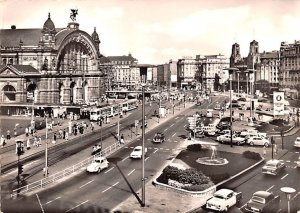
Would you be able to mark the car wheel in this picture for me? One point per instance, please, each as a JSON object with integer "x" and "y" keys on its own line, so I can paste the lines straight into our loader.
{"x": 251, "y": 144}
{"x": 238, "y": 143}
{"x": 266, "y": 144}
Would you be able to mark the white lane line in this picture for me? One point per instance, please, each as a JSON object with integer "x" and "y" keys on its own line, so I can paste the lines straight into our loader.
{"x": 243, "y": 206}
{"x": 284, "y": 176}
{"x": 176, "y": 118}
{"x": 146, "y": 158}
{"x": 110, "y": 187}
{"x": 109, "y": 170}
{"x": 167, "y": 149}
{"x": 173, "y": 134}
{"x": 50, "y": 201}
{"x": 297, "y": 152}
{"x": 288, "y": 161}
{"x": 184, "y": 125}
{"x": 156, "y": 149}
{"x": 295, "y": 195}
{"x": 77, "y": 205}
{"x": 166, "y": 129}
{"x": 86, "y": 184}
{"x": 131, "y": 172}
{"x": 172, "y": 125}
{"x": 270, "y": 188}
{"x": 125, "y": 158}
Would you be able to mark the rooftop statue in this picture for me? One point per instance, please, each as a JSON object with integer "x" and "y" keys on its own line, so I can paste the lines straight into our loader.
{"x": 74, "y": 13}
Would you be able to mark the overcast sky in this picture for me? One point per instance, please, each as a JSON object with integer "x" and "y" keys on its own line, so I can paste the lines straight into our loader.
{"x": 155, "y": 31}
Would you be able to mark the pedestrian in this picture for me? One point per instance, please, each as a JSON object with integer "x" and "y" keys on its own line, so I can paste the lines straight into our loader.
{"x": 35, "y": 141}
{"x": 40, "y": 141}
{"x": 67, "y": 136}
{"x": 54, "y": 138}
{"x": 107, "y": 120}
{"x": 2, "y": 140}
{"x": 64, "y": 134}
{"x": 122, "y": 139}
{"x": 28, "y": 144}
{"x": 26, "y": 131}
{"x": 92, "y": 126}
{"x": 8, "y": 134}
{"x": 275, "y": 148}
{"x": 264, "y": 151}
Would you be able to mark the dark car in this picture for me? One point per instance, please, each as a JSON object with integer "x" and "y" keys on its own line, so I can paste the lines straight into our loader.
{"x": 263, "y": 201}
{"x": 273, "y": 167}
{"x": 159, "y": 138}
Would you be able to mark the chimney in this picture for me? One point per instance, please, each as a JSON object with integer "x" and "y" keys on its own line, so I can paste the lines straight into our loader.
{"x": 13, "y": 27}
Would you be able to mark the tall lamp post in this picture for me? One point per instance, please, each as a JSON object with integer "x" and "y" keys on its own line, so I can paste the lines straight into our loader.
{"x": 238, "y": 81}
{"x": 250, "y": 71}
{"x": 231, "y": 70}
{"x": 247, "y": 76}
{"x": 46, "y": 150}
{"x": 143, "y": 145}
{"x": 288, "y": 192}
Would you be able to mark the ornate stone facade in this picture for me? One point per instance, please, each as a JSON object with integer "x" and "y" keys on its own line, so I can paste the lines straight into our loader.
{"x": 52, "y": 66}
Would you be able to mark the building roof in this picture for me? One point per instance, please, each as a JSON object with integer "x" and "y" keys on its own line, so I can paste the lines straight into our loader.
{"x": 12, "y": 37}
{"x": 266, "y": 55}
{"x": 104, "y": 59}
{"x": 26, "y": 69}
{"x": 121, "y": 58}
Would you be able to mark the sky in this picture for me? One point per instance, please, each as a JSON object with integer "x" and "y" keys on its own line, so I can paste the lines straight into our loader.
{"x": 156, "y": 31}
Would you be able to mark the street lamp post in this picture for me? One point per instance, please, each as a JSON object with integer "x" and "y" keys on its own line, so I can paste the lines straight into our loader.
{"x": 288, "y": 192}
{"x": 46, "y": 149}
{"x": 143, "y": 145}
{"x": 231, "y": 70}
{"x": 247, "y": 76}
{"x": 238, "y": 81}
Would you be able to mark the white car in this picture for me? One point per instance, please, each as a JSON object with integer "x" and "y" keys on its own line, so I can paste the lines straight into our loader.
{"x": 137, "y": 152}
{"x": 97, "y": 165}
{"x": 297, "y": 142}
{"x": 227, "y": 139}
{"x": 260, "y": 141}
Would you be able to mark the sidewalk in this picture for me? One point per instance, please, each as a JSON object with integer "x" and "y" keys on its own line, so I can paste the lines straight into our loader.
{"x": 11, "y": 157}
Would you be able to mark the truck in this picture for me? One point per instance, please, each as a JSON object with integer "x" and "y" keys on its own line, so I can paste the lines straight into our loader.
{"x": 223, "y": 199}
{"x": 263, "y": 202}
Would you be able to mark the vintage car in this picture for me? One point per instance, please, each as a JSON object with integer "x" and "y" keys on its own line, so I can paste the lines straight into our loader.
{"x": 297, "y": 142}
{"x": 235, "y": 139}
{"x": 97, "y": 165}
{"x": 264, "y": 202}
{"x": 260, "y": 141}
{"x": 273, "y": 167}
{"x": 223, "y": 199}
{"x": 158, "y": 138}
{"x": 137, "y": 152}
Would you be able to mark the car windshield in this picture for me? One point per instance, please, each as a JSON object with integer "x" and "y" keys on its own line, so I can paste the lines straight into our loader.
{"x": 97, "y": 161}
{"x": 219, "y": 196}
{"x": 137, "y": 149}
{"x": 298, "y": 139}
{"x": 258, "y": 199}
{"x": 271, "y": 164}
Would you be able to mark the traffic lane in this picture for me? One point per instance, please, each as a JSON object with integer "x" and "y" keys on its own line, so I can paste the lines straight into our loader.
{"x": 261, "y": 182}
{"x": 122, "y": 190}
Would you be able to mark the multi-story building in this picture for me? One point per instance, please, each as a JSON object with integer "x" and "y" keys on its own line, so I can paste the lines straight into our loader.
{"x": 257, "y": 71}
{"x": 211, "y": 71}
{"x": 186, "y": 72}
{"x": 50, "y": 66}
{"x": 290, "y": 68}
{"x": 124, "y": 76}
{"x": 173, "y": 74}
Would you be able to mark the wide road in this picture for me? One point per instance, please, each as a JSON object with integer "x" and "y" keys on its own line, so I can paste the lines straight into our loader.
{"x": 123, "y": 177}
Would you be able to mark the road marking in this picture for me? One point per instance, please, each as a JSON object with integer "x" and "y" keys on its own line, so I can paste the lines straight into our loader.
{"x": 167, "y": 149}
{"x": 125, "y": 158}
{"x": 146, "y": 158}
{"x": 166, "y": 129}
{"x": 86, "y": 183}
{"x": 156, "y": 149}
{"x": 176, "y": 118}
{"x": 172, "y": 125}
{"x": 288, "y": 161}
{"x": 109, "y": 169}
{"x": 131, "y": 172}
{"x": 77, "y": 205}
{"x": 52, "y": 200}
{"x": 184, "y": 125}
{"x": 109, "y": 187}
{"x": 173, "y": 134}
{"x": 296, "y": 152}
{"x": 161, "y": 148}
{"x": 284, "y": 176}
{"x": 243, "y": 206}
{"x": 270, "y": 188}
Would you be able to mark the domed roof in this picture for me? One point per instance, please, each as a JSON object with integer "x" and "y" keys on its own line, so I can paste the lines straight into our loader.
{"x": 95, "y": 35}
{"x": 49, "y": 26}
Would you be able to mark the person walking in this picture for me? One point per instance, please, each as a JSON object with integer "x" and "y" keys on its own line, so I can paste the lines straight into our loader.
{"x": 67, "y": 136}
{"x": 64, "y": 134}
{"x": 26, "y": 131}
{"x": 264, "y": 151}
{"x": 8, "y": 134}
{"x": 2, "y": 140}
{"x": 28, "y": 144}
{"x": 54, "y": 138}
{"x": 35, "y": 141}
{"x": 275, "y": 148}
{"x": 92, "y": 126}
{"x": 122, "y": 139}
{"x": 40, "y": 141}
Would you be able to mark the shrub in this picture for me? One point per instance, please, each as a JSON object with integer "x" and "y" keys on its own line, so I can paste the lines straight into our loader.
{"x": 252, "y": 155}
{"x": 172, "y": 172}
{"x": 198, "y": 187}
{"x": 194, "y": 147}
{"x": 162, "y": 178}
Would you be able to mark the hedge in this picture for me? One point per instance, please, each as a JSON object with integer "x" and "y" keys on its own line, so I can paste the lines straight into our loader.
{"x": 194, "y": 147}
{"x": 252, "y": 155}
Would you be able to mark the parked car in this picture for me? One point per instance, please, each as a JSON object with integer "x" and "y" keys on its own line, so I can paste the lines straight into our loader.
{"x": 223, "y": 199}
{"x": 97, "y": 165}
{"x": 242, "y": 99}
{"x": 273, "y": 167}
{"x": 223, "y": 132}
{"x": 297, "y": 142}
{"x": 137, "y": 152}
{"x": 263, "y": 202}
{"x": 257, "y": 140}
{"x": 235, "y": 139}
{"x": 159, "y": 138}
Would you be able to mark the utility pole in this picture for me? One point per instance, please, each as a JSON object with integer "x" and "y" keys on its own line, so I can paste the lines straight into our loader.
{"x": 46, "y": 150}
{"x": 143, "y": 146}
